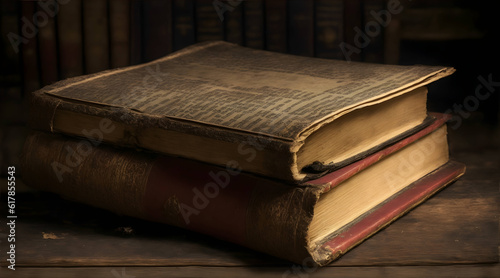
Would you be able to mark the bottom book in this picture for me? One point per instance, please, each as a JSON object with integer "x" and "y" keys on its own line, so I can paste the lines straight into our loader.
{"x": 313, "y": 222}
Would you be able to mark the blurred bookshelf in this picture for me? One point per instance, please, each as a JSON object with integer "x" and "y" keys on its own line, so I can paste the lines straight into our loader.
{"x": 44, "y": 41}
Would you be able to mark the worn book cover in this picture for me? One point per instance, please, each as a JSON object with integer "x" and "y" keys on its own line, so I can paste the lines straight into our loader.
{"x": 319, "y": 220}
{"x": 283, "y": 116}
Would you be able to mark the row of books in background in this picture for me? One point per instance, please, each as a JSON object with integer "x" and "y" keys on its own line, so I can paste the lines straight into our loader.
{"x": 71, "y": 38}
{"x": 297, "y": 157}
{"x": 81, "y": 37}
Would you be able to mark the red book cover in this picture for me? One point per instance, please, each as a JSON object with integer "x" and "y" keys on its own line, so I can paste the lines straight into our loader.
{"x": 393, "y": 208}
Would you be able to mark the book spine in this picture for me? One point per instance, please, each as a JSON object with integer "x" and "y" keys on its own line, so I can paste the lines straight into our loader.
{"x": 47, "y": 41}
{"x": 392, "y": 38}
{"x": 329, "y": 31}
{"x": 95, "y": 36}
{"x": 254, "y": 24}
{"x": 209, "y": 25}
{"x": 157, "y": 37}
{"x": 374, "y": 50}
{"x": 119, "y": 26}
{"x": 136, "y": 32}
{"x": 12, "y": 43}
{"x": 31, "y": 78}
{"x": 183, "y": 22}
{"x": 301, "y": 27}
{"x": 275, "y": 25}
{"x": 352, "y": 21}
{"x": 69, "y": 24}
{"x": 222, "y": 202}
{"x": 15, "y": 32}
{"x": 233, "y": 24}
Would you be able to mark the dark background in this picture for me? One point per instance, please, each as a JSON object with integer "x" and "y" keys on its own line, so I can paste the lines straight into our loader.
{"x": 78, "y": 37}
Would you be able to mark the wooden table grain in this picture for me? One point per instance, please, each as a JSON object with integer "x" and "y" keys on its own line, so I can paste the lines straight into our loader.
{"x": 453, "y": 234}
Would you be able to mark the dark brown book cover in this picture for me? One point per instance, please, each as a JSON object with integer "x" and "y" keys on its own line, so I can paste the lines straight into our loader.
{"x": 261, "y": 214}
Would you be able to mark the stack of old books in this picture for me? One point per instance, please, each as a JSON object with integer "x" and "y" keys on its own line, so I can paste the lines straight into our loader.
{"x": 298, "y": 157}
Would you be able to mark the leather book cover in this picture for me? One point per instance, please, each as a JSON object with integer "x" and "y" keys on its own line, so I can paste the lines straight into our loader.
{"x": 218, "y": 95}
{"x": 262, "y": 214}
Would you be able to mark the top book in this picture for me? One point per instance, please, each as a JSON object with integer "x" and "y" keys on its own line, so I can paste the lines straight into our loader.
{"x": 282, "y": 116}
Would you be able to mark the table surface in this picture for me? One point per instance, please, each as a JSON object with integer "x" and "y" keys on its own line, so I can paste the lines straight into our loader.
{"x": 453, "y": 234}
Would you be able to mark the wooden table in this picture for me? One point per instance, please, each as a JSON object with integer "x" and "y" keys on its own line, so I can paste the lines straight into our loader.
{"x": 454, "y": 234}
